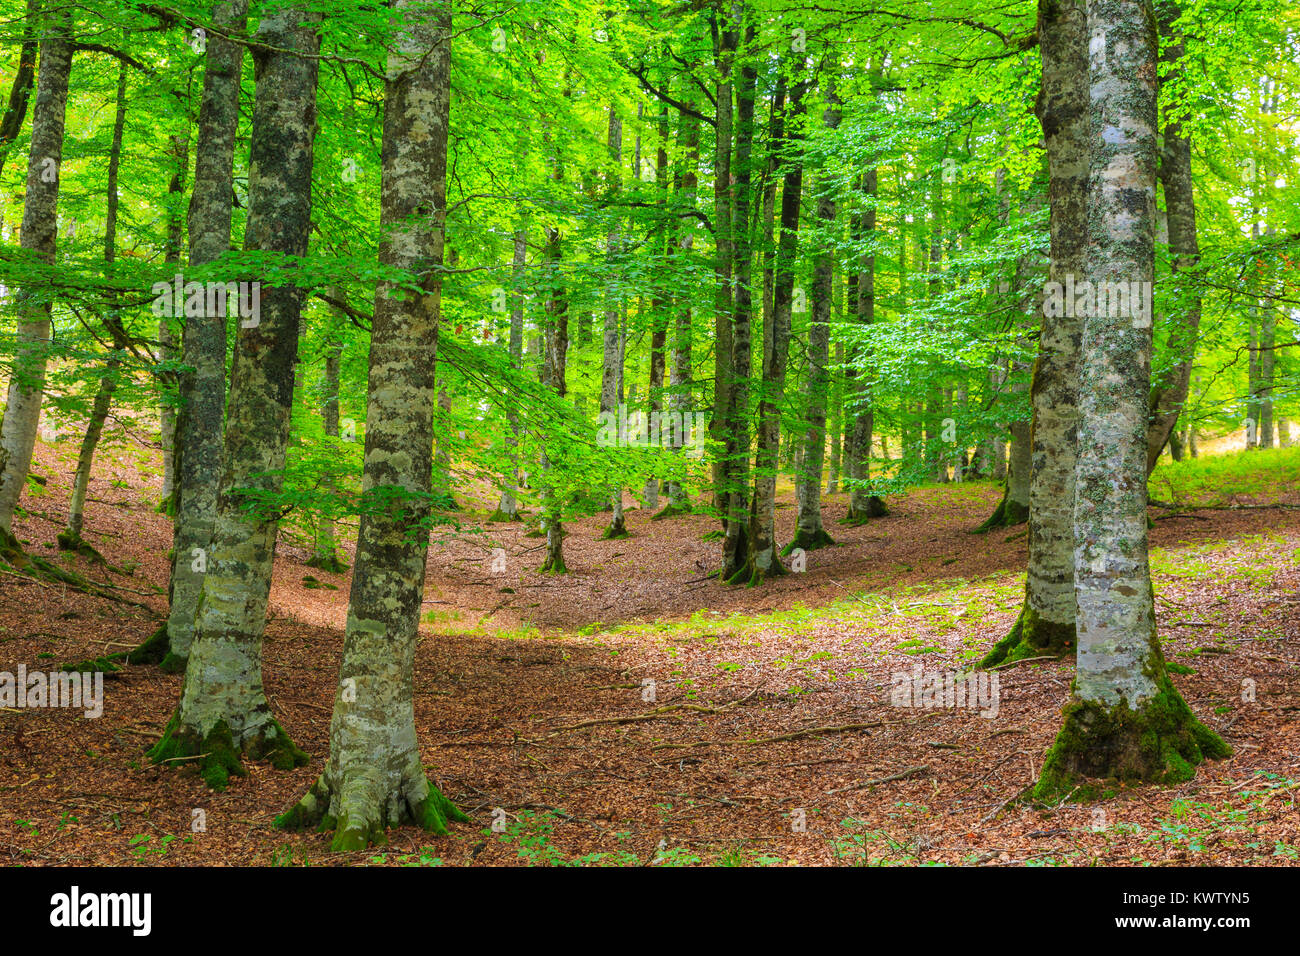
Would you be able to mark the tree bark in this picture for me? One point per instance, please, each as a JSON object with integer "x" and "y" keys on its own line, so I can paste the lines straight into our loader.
{"x": 223, "y": 710}
{"x": 809, "y": 531}
{"x": 1046, "y": 622}
{"x": 70, "y": 538}
{"x": 1125, "y": 719}
{"x": 40, "y": 221}
{"x": 611, "y": 375}
{"x": 203, "y": 341}
{"x": 374, "y": 777}
{"x": 1170, "y": 393}
{"x": 863, "y": 505}
{"x": 679, "y": 379}
{"x": 725, "y": 22}
{"x": 762, "y": 562}
{"x": 508, "y": 506}
{"x": 735, "y": 547}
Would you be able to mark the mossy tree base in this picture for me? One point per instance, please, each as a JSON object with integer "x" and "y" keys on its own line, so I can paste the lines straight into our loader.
{"x": 1031, "y": 636}
{"x": 1008, "y": 514}
{"x": 1160, "y": 741}
{"x": 554, "y": 564}
{"x": 758, "y": 576}
{"x": 330, "y": 563}
{"x": 875, "y": 508}
{"x": 218, "y": 758}
{"x": 671, "y": 511}
{"x": 76, "y": 544}
{"x": 503, "y": 517}
{"x": 357, "y": 831}
{"x": 155, "y": 649}
{"x": 808, "y": 541}
{"x": 617, "y": 529}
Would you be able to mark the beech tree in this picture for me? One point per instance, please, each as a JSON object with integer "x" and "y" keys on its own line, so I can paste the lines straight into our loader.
{"x": 374, "y": 778}
{"x": 1125, "y": 719}
{"x": 223, "y": 711}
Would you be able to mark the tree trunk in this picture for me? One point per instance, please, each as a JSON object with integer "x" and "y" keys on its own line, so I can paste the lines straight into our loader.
{"x": 374, "y": 777}
{"x": 70, "y": 538}
{"x": 508, "y": 506}
{"x": 40, "y": 222}
{"x": 809, "y": 532}
{"x": 735, "y": 547}
{"x": 1170, "y": 394}
{"x": 1046, "y": 622}
{"x": 836, "y": 424}
{"x": 1125, "y": 719}
{"x": 203, "y": 342}
{"x": 223, "y": 710}
{"x": 761, "y": 561}
{"x": 679, "y": 378}
{"x": 863, "y": 505}
{"x": 167, "y": 341}
{"x": 659, "y": 309}
{"x": 326, "y": 556}
{"x": 553, "y": 375}
{"x": 726, "y": 38}
{"x": 20, "y": 93}
{"x": 611, "y": 377}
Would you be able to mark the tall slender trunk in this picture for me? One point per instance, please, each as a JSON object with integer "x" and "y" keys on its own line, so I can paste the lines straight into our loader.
{"x": 1170, "y": 393}
{"x": 1125, "y": 719}
{"x": 659, "y": 306}
{"x": 836, "y": 424}
{"x": 611, "y": 376}
{"x": 735, "y": 546}
{"x": 556, "y": 348}
{"x": 761, "y": 562}
{"x": 374, "y": 777}
{"x": 21, "y": 90}
{"x": 508, "y": 506}
{"x": 70, "y": 538}
{"x": 223, "y": 709}
{"x": 863, "y": 505}
{"x": 167, "y": 341}
{"x": 685, "y": 185}
{"x": 203, "y": 342}
{"x": 1046, "y": 623}
{"x": 326, "y": 553}
{"x": 808, "y": 486}
{"x": 726, "y": 36}
{"x": 40, "y": 221}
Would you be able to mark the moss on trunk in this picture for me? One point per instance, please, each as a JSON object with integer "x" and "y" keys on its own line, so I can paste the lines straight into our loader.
{"x": 875, "y": 508}
{"x": 809, "y": 541}
{"x": 154, "y": 649}
{"x": 217, "y": 757}
{"x": 1031, "y": 636}
{"x": 368, "y": 825}
{"x": 1159, "y": 741}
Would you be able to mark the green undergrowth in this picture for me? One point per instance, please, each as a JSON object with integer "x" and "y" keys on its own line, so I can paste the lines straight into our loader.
{"x": 531, "y": 835}
{"x": 1262, "y": 476}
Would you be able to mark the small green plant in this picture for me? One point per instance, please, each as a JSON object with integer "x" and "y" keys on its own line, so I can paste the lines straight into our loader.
{"x": 144, "y": 846}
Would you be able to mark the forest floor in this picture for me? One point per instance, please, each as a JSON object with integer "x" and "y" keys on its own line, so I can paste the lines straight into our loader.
{"x": 634, "y": 713}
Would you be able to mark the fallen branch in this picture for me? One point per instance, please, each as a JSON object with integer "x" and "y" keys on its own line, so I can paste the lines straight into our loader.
{"x": 653, "y": 714}
{"x": 901, "y": 775}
